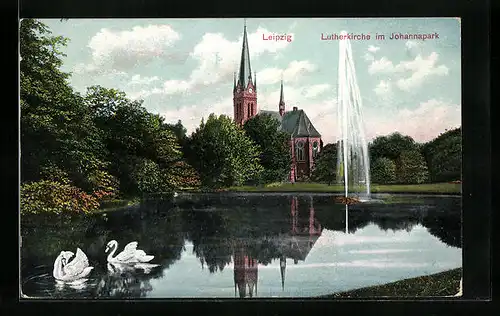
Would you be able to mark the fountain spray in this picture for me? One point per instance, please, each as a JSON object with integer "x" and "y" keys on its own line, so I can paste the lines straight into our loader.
{"x": 353, "y": 164}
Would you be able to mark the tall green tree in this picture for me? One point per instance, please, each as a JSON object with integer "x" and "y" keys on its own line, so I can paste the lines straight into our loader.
{"x": 390, "y": 146}
{"x": 411, "y": 167}
{"x": 138, "y": 143}
{"x": 57, "y": 132}
{"x": 325, "y": 165}
{"x": 444, "y": 156}
{"x": 222, "y": 153}
{"x": 383, "y": 171}
{"x": 275, "y": 157}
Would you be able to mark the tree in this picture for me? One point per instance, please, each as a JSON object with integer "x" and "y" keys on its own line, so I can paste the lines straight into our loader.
{"x": 383, "y": 171}
{"x": 444, "y": 156}
{"x": 178, "y": 130}
{"x": 411, "y": 167}
{"x": 139, "y": 144}
{"x": 57, "y": 131}
{"x": 325, "y": 165}
{"x": 275, "y": 157}
{"x": 390, "y": 146}
{"x": 222, "y": 153}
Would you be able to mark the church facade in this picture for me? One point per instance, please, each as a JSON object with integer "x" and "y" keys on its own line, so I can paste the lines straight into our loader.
{"x": 305, "y": 140}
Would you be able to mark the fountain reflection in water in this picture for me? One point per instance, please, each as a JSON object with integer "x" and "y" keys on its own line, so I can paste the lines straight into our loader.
{"x": 353, "y": 165}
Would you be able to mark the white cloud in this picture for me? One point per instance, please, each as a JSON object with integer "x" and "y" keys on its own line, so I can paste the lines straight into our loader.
{"x": 125, "y": 49}
{"x": 411, "y": 44}
{"x": 316, "y": 90}
{"x": 423, "y": 123}
{"x": 373, "y": 49}
{"x": 420, "y": 68}
{"x": 369, "y": 57}
{"x": 382, "y": 65}
{"x": 291, "y": 74}
{"x": 175, "y": 86}
{"x": 139, "y": 80}
{"x": 383, "y": 88}
{"x": 191, "y": 115}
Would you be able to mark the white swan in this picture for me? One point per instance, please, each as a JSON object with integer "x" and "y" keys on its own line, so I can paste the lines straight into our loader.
{"x": 130, "y": 253}
{"x": 75, "y": 270}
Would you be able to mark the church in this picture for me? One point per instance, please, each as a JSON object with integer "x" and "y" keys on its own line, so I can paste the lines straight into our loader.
{"x": 305, "y": 140}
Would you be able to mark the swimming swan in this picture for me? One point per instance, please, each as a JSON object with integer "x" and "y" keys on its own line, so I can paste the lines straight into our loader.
{"x": 74, "y": 270}
{"x": 130, "y": 253}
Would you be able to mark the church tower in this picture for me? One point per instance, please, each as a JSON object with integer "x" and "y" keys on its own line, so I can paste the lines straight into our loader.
{"x": 245, "y": 272}
{"x": 244, "y": 89}
{"x": 282, "y": 101}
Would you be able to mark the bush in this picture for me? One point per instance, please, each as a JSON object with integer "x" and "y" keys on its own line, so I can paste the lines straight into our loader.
{"x": 48, "y": 196}
{"x": 411, "y": 168}
{"x": 383, "y": 171}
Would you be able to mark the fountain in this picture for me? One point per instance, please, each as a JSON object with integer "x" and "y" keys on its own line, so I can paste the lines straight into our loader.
{"x": 353, "y": 166}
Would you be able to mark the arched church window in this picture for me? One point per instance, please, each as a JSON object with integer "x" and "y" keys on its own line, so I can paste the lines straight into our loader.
{"x": 315, "y": 149}
{"x": 300, "y": 151}
{"x": 249, "y": 113}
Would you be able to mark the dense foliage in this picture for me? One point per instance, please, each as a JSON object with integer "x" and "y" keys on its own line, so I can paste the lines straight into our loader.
{"x": 55, "y": 197}
{"x": 411, "y": 167}
{"x": 438, "y": 160}
{"x": 98, "y": 146}
{"x": 390, "y": 146}
{"x": 383, "y": 171}
{"x": 444, "y": 156}
{"x": 325, "y": 165}
{"x": 275, "y": 157}
{"x": 223, "y": 154}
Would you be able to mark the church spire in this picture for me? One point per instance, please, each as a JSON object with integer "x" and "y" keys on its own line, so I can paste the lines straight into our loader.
{"x": 255, "y": 80}
{"x": 234, "y": 86}
{"x": 282, "y": 98}
{"x": 282, "y": 101}
{"x": 245, "y": 74}
{"x": 282, "y": 268}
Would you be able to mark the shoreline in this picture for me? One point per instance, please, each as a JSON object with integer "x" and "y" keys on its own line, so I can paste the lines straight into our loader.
{"x": 442, "y": 284}
{"x": 333, "y": 193}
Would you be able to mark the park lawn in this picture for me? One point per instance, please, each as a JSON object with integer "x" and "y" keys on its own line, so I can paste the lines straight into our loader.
{"x": 435, "y": 188}
{"x": 445, "y": 283}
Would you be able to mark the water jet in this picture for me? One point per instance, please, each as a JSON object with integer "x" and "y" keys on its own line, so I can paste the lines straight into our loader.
{"x": 353, "y": 164}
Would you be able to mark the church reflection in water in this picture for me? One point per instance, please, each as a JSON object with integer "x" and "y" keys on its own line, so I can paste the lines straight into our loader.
{"x": 294, "y": 244}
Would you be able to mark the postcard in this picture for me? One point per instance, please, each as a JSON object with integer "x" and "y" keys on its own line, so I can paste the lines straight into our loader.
{"x": 240, "y": 158}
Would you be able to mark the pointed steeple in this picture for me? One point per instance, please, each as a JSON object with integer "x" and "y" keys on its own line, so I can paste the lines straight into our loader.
{"x": 282, "y": 98}
{"x": 234, "y": 86}
{"x": 282, "y": 268}
{"x": 245, "y": 74}
{"x": 255, "y": 80}
{"x": 281, "y": 106}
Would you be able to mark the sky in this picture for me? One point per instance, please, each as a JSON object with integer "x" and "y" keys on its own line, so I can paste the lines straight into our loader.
{"x": 183, "y": 68}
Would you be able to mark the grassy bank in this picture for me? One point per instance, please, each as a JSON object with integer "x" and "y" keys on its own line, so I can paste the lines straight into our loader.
{"x": 441, "y": 284}
{"x": 108, "y": 206}
{"x": 436, "y": 188}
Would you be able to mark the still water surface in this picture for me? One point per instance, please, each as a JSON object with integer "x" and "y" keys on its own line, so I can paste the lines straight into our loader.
{"x": 249, "y": 246}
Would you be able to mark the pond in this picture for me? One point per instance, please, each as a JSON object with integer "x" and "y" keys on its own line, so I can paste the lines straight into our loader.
{"x": 248, "y": 245}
